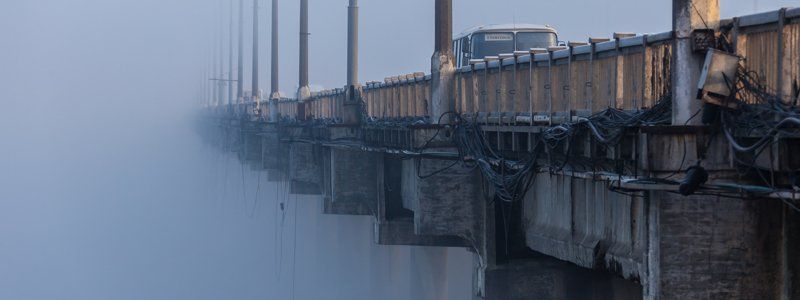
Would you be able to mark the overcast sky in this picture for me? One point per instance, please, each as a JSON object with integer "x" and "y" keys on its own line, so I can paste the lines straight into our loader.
{"x": 106, "y": 192}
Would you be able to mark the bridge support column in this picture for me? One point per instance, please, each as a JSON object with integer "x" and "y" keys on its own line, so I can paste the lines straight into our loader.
{"x": 394, "y": 224}
{"x": 305, "y": 169}
{"x": 275, "y": 155}
{"x": 442, "y": 65}
{"x": 351, "y": 184}
{"x": 706, "y": 247}
{"x": 688, "y": 16}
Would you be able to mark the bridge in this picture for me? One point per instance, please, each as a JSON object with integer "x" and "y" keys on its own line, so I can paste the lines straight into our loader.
{"x": 652, "y": 166}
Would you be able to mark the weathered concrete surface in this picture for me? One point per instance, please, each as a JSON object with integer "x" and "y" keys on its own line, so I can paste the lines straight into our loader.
{"x": 705, "y": 247}
{"x": 699, "y": 247}
{"x": 251, "y": 150}
{"x": 305, "y": 169}
{"x": 791, "y": 261}
{"x": 401, "y": 232}
{"x": 331, "y": 207}
{"x": 583, "y": 222}
{"x": 353, "y": 181}
{"x": 394, "y": 225}
{"x": 548, "y": 278}
{"x": 452, "y": 203}
{"x": 449, "y": 203}
{"x": 687, "y": 16}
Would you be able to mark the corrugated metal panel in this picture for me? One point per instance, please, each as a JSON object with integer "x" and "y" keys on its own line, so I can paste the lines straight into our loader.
{"x": 579, "y": 88}
{"x": 559, "y": 74}
{"x": 541, "y": 88}
{"x": 604, "y": 83}
{"x": 761, "y": 55}
{"x": 521, "y": 88}
{"x": 632, "y": 80}
{"x": 492, "y": 89}
{"x": 659, "y": 76}
{"x": 505, "y": 88}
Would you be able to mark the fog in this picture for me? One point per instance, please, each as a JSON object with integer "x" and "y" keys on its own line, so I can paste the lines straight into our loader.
{"x": 106, "y": 191}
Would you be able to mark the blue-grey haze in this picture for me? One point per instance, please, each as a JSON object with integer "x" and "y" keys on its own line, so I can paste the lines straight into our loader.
{"x": 107, "y": 193}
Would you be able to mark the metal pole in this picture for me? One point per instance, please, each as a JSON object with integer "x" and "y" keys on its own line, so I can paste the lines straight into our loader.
{"x": 303, "y": 92}
{"x": 442, "y": 67}
{"x": 444, "y": 26}
{"x": 240, "y": 71}
{"x": 230, "y": 56}
{"x": 274, "y": 95}
{"x": 221, "y": 55}
{"x": 214, "y": 72}
{"x": 352, "y": 43}
{"x": 351, "y": 107}
{"x": 255, "y": 90}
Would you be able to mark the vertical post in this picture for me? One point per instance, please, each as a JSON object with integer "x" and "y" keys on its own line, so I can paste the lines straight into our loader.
{"x": 304, "y": 92}
{"x": 221, "y": 57}
{"x": 230, "y": 57}
{"x": 274, "y": 94}
{"x": 786, "y": 82}
{"x": 240, "y": 71}
{"x": 255, "y": 90}
{"x": 442, "y": 67}
{"x": 214, "y": 71}
{"x": 688, "y": 15}
{"x": 352, "y": 105}
{"x": 352, "y": 43}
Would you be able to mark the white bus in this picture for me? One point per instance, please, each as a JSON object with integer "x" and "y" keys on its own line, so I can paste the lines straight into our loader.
{"x": 491, "y": 40}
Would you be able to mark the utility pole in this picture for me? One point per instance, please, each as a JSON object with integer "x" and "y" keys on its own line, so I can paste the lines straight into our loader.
{"x": 230, "y": 56}
{"x": 687, "y": 16}
{"x": 215, "y": 70}
{"x": 240, "y": 71}
{"x": 352, "y": 43}
{"x": 303, "y": 92}
{"x": 274, "y": 94}
{"x": 352, "y": 106}
{"x": 221, "y": 56}
{"x": 255, "y": 93}
{"x": 442, "y": 66}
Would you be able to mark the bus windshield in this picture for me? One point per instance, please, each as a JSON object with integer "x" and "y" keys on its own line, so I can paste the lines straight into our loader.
{"x": 494, "y": 43}
{"x": 528, "y": 40}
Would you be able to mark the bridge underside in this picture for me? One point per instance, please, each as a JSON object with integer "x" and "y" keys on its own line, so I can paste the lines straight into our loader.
{"x": 574, "y": 235}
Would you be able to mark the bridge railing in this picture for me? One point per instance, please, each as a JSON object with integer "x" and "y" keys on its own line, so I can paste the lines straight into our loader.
{"x": 325, "y": 105}
{"x": 398, "y": 97}
{"x": 628, "y": 72}
{"x": 550, "y": 85}
{"x": 769, "y": 42}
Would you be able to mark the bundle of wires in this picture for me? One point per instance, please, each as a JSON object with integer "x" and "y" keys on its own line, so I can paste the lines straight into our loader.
{"x": 510, "y": 179}
{"x": 759, "y": 113}
{"x": 608, "y": 126}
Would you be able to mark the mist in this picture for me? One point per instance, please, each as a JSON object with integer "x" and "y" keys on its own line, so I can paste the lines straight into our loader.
{"x": 107, "y": 192}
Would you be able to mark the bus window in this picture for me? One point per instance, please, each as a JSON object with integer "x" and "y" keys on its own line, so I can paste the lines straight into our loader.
{"x": 492, "y": 43}
{"x": 527, "y": 40}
